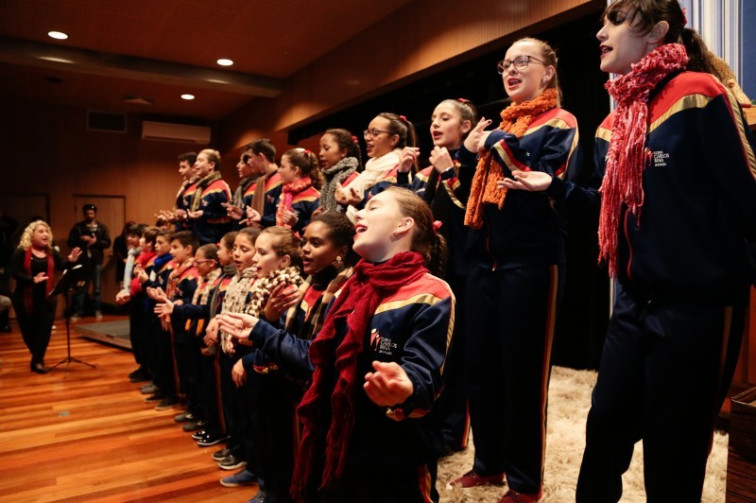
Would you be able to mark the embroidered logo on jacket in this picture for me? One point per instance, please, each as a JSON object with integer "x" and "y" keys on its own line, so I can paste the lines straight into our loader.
{"x": 660, "y": 158}
{"x": 380, "y": 344}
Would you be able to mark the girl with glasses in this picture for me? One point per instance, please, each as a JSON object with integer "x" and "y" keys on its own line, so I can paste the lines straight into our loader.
{"x": 386, "y": 139}
{"x": 516, "y": 259}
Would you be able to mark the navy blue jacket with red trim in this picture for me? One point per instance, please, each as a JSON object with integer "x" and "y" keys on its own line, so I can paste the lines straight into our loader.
{"x": 527, "y": 230}
{"x": 448, "y": 206}
{"x": 214, "y": 222}
{"x": 700, "y": 196}
{"x": 411, "y": 327}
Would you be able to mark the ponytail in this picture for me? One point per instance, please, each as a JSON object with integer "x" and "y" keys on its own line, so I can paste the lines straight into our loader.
{"x": 467, "y": 112}
{"x": 399, "y": 125}
{"x": 347, "y": 141}
{"x": 700, "y": 59}
{"x": 426, "y": 240}
{"x": 308, "y": 164}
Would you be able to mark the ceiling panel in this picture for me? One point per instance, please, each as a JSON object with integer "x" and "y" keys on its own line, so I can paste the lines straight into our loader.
{"x": 265, "y": 38}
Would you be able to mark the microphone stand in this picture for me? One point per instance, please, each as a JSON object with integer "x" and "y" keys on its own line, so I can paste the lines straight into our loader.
{"x": 67, "y": 312}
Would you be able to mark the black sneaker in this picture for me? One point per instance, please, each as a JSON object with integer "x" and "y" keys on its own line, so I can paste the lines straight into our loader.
{"x": 221, "y": 454}
{"x": 199, "y": 435}
{"x": 167, "y": 403}
{"x": 243, "y": 478}
{"x": 259, "y": 497}
{"x": 184, "y": 417}
{"x": 148, "y": 389}
{"x": 211, "y": 439}
{"x": 194, "y": 425}
{"x": 139, "y": 375}
{"x": 157, "y": 397}
{"x": 231, "y": 462}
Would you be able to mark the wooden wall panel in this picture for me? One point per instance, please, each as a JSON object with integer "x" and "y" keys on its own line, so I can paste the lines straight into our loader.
{"x": 424, "y": 36}
{"x": 49, "y": 151}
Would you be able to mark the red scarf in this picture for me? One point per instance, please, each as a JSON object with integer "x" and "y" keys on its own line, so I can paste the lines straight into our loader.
{"x": 29, "y": 290}
{"x": 287, "y": 196}
{"x": 627, "y": 156}
{"x": 336, "y": 361}
{"x": 515, "y": 119}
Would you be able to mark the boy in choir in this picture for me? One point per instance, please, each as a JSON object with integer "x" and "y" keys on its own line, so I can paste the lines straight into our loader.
{"x": 262, "y": 208}
{"x": 206, "y": 212}
{"x": 195, "y": 358}
{"x": 154, "y": 284}
{"x": 180, "y": 288}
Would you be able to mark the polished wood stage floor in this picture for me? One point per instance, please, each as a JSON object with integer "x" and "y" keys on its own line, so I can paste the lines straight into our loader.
{"x": 83, "y": 434}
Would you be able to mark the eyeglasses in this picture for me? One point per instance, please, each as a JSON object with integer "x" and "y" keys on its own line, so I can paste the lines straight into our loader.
{"x": 373, "y": 132}
{"x": 203, "y": 261}
{"x": 520, "y": 62}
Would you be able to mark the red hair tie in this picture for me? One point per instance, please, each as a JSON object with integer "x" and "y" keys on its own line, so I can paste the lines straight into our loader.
{"x": 307, "y": 151}
{"x": 355, "y": 140}
{"x": 404, "y": 119}
{"x": 436, "y": 226}
{"x": 464, "y": 101}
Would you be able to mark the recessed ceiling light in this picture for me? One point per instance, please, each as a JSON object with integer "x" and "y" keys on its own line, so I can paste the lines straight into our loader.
{"x": 187, "y": 97}
{"x": 58, "y": 35}
{"x": 225, "y": 62}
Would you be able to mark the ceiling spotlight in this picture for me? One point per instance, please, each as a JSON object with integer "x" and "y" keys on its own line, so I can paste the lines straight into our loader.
{"x": 225, "y": 62}
{"x": 187, "y": 96}
{"x": 57, "y": 35}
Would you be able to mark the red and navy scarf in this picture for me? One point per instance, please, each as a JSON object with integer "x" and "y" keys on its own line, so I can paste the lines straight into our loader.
{"x": 336, "y": 361}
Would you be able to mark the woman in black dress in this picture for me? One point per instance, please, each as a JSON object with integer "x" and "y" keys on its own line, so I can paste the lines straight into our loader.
{"x": 33, "y": 265}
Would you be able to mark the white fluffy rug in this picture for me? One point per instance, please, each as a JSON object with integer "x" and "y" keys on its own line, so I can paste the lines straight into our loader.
{"x": 569, "y": 401}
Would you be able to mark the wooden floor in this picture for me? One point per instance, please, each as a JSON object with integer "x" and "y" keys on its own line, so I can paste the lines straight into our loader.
{"x": 82, "y": 434}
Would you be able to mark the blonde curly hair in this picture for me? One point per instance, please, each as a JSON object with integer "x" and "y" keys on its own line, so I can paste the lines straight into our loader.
{"x": 25, "y": 241}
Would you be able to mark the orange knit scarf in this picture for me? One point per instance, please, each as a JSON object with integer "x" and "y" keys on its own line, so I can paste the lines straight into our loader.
{"x": 515, "y": 119}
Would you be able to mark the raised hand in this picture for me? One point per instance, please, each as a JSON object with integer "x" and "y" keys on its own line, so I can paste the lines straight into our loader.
{"x": 74, "y": 255}
{"x": 407, "y": 158}
{"x": 531, "y": 181}
{"x": 440, "y": 159}
{"x": 388, "y": 385}
{"x": 476, "y": 140}
{"x": 283, "y": 297}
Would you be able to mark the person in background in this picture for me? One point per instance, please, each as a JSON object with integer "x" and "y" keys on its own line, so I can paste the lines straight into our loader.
{"x": 92, "y": 238}
{"x": 7, "y": 227}
{"x": 301, "y": 177}
{"x": 387, "y": 138}
{"x": 340, "y": 162}
{"x": 121, "y": 252}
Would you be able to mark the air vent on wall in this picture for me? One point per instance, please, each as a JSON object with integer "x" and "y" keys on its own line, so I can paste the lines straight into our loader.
{"x": 167, "y": 131}
{"x": 106, "y": 121}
